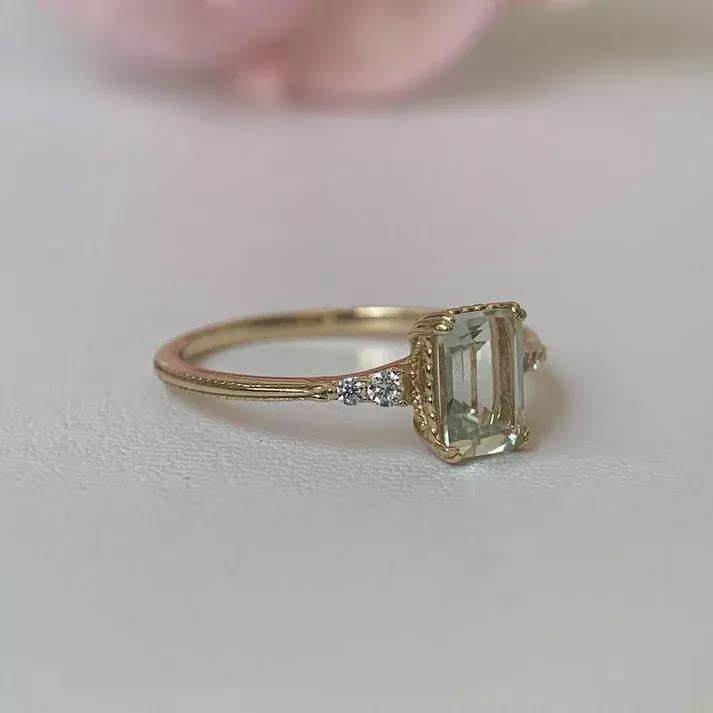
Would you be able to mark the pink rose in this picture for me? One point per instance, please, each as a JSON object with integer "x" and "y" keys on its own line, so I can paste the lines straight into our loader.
{"x": 271, "y": 49}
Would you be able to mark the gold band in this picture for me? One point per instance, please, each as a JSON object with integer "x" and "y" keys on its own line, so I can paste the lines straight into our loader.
{"x": 175, "y": 362}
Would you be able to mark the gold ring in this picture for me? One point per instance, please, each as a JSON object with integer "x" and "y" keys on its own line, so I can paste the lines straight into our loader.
{"x": 463, "y": 376}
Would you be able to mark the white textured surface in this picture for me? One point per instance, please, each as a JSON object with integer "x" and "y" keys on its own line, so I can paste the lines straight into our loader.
{"x": 160, "y": 553}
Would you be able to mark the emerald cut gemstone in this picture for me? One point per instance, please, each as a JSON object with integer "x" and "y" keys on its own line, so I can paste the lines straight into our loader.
{"x": 480, "y": 389}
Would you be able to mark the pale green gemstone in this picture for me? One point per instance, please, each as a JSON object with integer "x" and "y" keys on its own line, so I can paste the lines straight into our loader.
{"x": 481, "y": 384}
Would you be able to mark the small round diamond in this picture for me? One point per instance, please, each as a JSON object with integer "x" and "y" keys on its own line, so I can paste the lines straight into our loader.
{"x": 385, "y": 388}
{"x": 350, "y": 391}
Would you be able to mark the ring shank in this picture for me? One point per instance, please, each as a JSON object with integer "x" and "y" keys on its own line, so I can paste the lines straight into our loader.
{"x": 175, "y": 362}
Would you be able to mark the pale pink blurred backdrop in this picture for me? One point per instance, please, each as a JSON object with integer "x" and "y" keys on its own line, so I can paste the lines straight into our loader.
{"x": 347, "y": 50}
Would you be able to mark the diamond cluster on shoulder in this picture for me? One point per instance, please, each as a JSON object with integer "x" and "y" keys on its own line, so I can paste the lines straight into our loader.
{"x": 383, "y": 388}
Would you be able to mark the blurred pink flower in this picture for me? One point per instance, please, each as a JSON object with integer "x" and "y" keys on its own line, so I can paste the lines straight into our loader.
{"x": 272, "y": 49}
{"x": 186, "y": 34}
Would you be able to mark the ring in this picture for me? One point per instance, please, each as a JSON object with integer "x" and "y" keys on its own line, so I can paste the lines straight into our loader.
{"x": 463, "y": 376}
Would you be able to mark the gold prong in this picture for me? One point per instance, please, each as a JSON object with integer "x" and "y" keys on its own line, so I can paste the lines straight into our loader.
{"x": 523, "y": 440}
{"x": 452, "y": 456}
{"x": 432, "y": 323}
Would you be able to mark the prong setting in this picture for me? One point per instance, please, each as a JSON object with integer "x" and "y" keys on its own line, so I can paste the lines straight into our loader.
{"x": 453, "y": 350}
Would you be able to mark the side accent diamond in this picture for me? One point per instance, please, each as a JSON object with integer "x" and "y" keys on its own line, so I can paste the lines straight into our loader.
{"x": 351, "y": 391}
{"x": 385, "y": 388}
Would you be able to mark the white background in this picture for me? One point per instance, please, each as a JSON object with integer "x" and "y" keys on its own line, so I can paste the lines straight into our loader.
{"x": 162, "y": 553}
